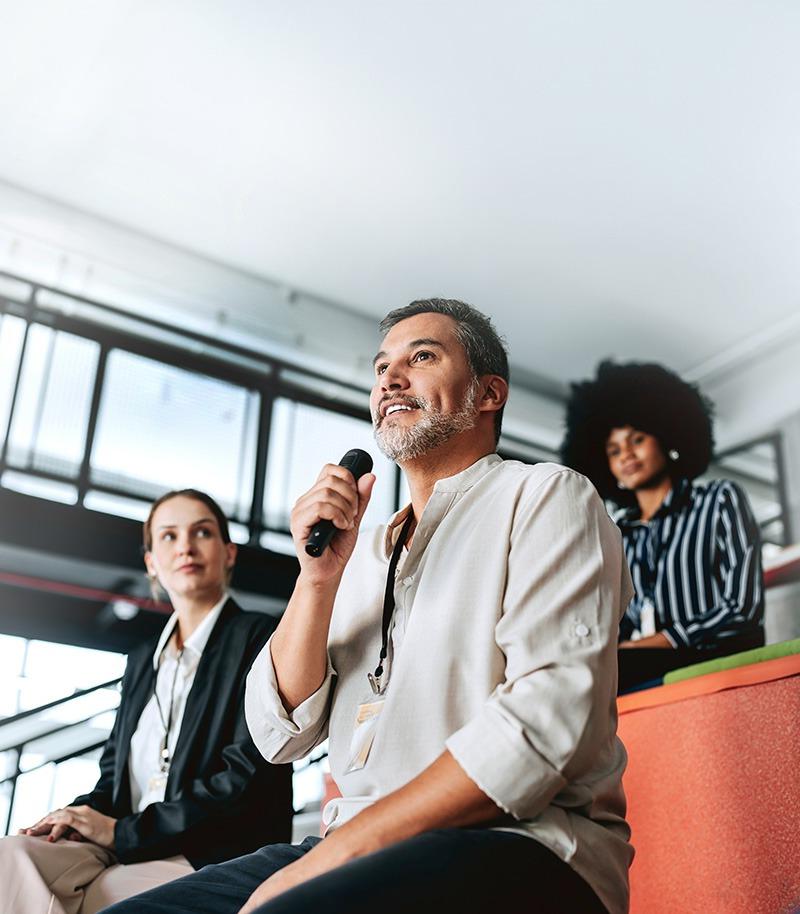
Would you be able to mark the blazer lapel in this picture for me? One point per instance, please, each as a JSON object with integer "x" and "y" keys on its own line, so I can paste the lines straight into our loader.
{"x": 201, "y": 695}
{"x": 138, "y": 694}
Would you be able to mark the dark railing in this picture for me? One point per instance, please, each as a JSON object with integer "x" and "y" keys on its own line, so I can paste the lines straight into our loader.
{"x": 30, "y": 714}
{"x": 315, "y": 758}
{"x": 73, "y": 696}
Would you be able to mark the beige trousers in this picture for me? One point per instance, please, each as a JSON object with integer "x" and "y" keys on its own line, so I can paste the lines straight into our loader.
{"x": 73, "y": 877}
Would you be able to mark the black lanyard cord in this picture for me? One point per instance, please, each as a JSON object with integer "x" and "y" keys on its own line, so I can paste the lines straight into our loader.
{"x": 388, "y": 599}
{"x": 166, "y": 719}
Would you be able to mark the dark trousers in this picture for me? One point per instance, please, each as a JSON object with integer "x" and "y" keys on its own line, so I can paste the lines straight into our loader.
{"x": 469, "y": 871}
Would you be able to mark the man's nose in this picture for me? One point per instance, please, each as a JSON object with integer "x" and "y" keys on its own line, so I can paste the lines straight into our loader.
{"x": 394, "y": 378}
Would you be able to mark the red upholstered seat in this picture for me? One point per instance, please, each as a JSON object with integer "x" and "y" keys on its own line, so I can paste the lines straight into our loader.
{"x": 713, "y": 786}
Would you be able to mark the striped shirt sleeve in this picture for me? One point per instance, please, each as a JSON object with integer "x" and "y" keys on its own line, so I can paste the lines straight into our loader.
{"x": 737, "y": 573}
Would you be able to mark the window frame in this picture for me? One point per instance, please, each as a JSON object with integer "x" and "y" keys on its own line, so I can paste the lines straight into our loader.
{"x": 196, "y": 353}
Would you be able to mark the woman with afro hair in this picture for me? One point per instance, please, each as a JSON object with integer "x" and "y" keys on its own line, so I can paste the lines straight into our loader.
{"x": 643, "y": 435}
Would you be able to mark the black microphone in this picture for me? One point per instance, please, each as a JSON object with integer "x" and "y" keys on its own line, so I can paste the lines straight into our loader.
{"x": 358, "y": 462}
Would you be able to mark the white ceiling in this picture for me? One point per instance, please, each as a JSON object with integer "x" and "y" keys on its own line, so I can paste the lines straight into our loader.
{"x": 603, "y": 178}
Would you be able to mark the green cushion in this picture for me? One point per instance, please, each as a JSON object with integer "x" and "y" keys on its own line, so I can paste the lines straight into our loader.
{"x": 759, "y": 655}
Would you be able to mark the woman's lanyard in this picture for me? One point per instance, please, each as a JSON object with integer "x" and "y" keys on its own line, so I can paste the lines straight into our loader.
{"x": 166, "y": 719}
{"x": 388, "y": 603}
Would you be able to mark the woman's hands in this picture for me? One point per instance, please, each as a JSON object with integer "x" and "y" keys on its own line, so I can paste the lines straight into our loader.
{"x": 336, "y": 497}
{"x": 76, "y": 823}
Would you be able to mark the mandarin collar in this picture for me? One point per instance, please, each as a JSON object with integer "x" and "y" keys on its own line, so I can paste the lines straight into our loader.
{"x": 461, "y": 482}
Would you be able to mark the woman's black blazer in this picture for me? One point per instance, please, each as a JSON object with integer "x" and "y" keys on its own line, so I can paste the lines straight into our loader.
{"x": 222, "y": 799}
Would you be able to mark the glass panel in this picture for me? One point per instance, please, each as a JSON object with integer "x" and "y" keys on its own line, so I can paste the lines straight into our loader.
{"x": 239, "y": 533}
{"x": 405, "y": 492}
{"x": 131, "y": 508}
{"x": 5, "y": 802}
{"x": 15, "y": 289}
{"x": 8, "y": 762}
{"x": 756, "y": 468}
{"x": 32, "y": 730}
{"x": 12, "y": 332}
{"x": 55, "y": 670}
{"x": 75, "y": 777}
{"x": 12, "y": 656}
{"x": 302, "y": 439}
{"x": 161, "y": 427}
{"x": 33, "y": 797}
{"x": 41, "y": 488}
{"x": 278, "y": 542}
{"x": 308, "y": 786}
{"x": 48, "y": 431}
{"x": 527, "y": 453}
{"x": 322, "y": 387}
{"x": 70, "y": 741}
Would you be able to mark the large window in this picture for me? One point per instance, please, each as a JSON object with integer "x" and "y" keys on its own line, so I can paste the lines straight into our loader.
{"x": 51, "y": 409}
{"x": 160, "y": 427}
{"x": 12, "y": 333}
{"x": 302, "y": 439}
{"x": 757, "y": 467}
{"x": 103, "y": 410}
{"x": 49, "y": 757}
{"x": 110, "y": 419}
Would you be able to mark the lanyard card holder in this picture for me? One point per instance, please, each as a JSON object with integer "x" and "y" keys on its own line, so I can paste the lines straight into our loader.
{"x": 368, "y": 712}
{"x": 366, "y": 725}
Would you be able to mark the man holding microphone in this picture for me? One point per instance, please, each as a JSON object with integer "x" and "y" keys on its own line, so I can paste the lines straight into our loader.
{"x": 461, "y": 660}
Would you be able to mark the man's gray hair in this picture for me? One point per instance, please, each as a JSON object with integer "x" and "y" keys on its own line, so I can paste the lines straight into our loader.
{"x": 484, "y": 347}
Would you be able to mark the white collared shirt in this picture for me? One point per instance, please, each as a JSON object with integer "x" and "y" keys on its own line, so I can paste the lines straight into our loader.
{"x": 144, "y": 758}
{"x": 503, "y": 650}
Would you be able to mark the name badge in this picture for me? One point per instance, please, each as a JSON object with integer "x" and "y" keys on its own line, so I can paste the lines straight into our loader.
{"x": 158, "y": 781}
{"x": 366, "y": 724}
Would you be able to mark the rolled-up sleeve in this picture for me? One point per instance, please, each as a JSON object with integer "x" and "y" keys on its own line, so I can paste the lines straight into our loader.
{"x": 280, "y": 736}
{"x": 552, "y": 717}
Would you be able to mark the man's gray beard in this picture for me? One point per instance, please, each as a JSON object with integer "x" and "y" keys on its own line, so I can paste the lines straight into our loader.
{"x": 430, "y": 431}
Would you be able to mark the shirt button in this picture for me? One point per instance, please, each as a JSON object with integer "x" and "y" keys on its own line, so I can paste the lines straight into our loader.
{"x": 408, "y": 581}
{"x": 581, "y": 630}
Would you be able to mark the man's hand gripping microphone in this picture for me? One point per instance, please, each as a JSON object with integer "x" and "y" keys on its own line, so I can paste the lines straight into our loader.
{"x": 358, "y": 462}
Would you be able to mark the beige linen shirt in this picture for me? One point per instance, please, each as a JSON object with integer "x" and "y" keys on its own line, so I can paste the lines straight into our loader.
{"x": 503, "y": 650}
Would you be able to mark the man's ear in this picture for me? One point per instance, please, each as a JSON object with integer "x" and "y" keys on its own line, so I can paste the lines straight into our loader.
{"x": 494, "y": 393}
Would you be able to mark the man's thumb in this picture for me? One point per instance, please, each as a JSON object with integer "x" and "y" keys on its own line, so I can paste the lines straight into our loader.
{"x": 365, "y": 487}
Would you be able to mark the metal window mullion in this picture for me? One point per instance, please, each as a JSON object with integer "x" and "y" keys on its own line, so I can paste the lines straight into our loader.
{"x": 13, "y": 779}
{"x": 783, "y": 495}
{"x": 15, "y": 393}
{"x": 266, "y": 405}
{"x": 243, "y": 450}
{"x": 91, "y": 429}
{"x": 37, "y": 422}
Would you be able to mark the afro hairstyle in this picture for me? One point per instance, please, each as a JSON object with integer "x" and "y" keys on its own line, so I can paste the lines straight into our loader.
{"x": 647, "y": 397}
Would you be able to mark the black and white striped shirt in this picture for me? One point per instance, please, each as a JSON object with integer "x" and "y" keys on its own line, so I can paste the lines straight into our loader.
{"x": 698, "y": 561}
